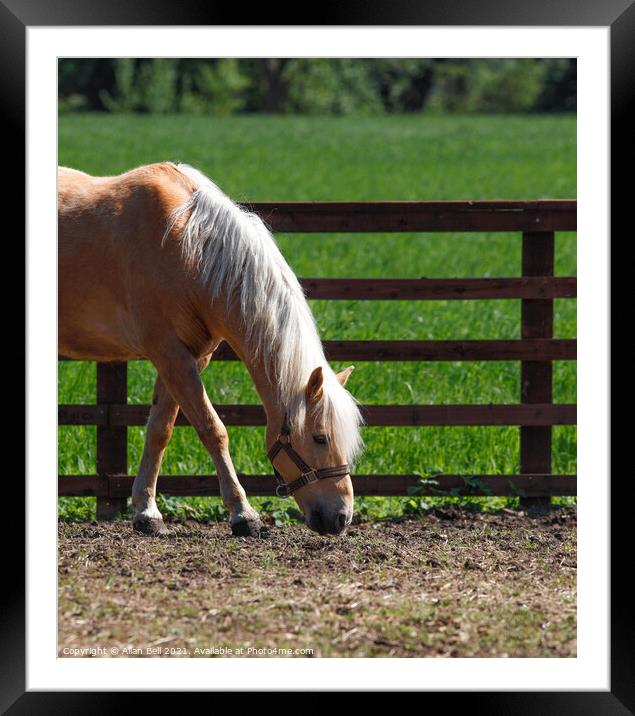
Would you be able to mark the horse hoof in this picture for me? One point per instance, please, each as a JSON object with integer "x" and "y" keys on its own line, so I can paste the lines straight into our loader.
{"x": 150, "y": 526}
{"x": 248, "y": 528}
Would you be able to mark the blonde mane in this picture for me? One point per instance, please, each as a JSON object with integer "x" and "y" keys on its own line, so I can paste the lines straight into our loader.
{"x": 234, "y": 252}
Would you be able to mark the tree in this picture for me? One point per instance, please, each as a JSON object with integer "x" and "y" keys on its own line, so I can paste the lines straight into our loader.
{"x": 275, "y": 85}
{"x": 215, "y": 87}
{"x": 559, "y": 90}
{"x": 317, "y": 85}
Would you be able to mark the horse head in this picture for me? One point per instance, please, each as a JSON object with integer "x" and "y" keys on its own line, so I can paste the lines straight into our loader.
{"x": 311, "y": 451}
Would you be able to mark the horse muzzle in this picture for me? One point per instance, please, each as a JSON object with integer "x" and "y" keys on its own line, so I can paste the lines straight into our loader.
{"x": 327, "y": 522}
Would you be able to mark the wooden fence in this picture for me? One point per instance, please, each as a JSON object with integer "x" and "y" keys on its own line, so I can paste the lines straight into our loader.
{"x": 535, "y": 413}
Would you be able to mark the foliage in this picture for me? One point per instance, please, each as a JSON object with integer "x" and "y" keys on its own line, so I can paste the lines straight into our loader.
{"x": 515, "y": 87}
{"x": 331, "y": 87}
{"x": 402, "y": 84}
{"x": 158, "y": 83}
{"x": 214, "y": 89}
{"x": 338, "y": 86}
{"x": 558, "y": 92}
{"x": 127, "y": 98}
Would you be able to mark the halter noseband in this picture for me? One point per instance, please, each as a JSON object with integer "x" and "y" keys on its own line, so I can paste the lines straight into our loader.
{"x": 308, "y": 474}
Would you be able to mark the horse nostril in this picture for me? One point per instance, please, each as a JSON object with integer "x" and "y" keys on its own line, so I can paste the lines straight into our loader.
{"x": 329, "y": 523}
{"x": 316, "y": 521}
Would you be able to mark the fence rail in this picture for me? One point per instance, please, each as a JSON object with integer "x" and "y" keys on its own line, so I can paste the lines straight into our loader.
{"x": 535, "y": 414}
{"x": 117, "y": 415}
{"x": 120, "y": 486}
{"x": 526, "y": 350}
{"x": 409, "y": 289}
{"x": 393, "y": 216}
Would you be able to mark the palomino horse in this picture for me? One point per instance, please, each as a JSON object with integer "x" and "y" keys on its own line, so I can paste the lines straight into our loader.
{"x": 158, "y": 263}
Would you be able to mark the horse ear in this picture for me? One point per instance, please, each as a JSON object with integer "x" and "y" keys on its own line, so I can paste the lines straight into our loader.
{"x": 344, "y": 375}
{"x": 314, "y": 386}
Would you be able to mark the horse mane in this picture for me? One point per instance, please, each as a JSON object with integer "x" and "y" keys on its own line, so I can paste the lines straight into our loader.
{"x": 232, "y": 250}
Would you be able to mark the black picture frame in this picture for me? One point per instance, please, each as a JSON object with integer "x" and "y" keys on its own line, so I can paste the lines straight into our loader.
{"x": 618, "y": 15}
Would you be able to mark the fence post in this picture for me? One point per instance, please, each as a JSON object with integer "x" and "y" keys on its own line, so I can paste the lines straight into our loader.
{"x": 536, "y": 376}
{"x": 112, "y": 442}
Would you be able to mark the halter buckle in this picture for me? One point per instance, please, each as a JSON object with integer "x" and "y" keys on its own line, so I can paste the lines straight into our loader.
{"x": 310, "y": 476}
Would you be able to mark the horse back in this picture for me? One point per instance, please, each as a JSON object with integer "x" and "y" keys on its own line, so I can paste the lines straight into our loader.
{"x": 112, "y": 266}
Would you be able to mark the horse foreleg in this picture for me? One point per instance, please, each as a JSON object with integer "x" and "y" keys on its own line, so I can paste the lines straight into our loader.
{"x": 178, "y": 371}
{"x": 163, "y": 413}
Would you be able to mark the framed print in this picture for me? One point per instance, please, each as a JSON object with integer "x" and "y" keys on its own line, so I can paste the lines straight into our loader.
{"x": 583, "y": 668}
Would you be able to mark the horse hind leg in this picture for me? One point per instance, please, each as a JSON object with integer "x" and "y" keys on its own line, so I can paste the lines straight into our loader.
{"x": 178, "y": 371}
{"x": 147, "y": 518}
{"x": 163, "y": 413}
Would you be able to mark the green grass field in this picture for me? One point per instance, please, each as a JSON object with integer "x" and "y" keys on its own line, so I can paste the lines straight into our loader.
{"x": 389, "y": 158}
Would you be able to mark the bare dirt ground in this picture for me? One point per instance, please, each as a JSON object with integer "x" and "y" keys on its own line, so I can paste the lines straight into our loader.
{"x": 454, "y": 583}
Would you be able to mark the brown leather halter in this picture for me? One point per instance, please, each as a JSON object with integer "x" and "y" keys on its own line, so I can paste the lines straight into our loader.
{"x": 308, "y": 474}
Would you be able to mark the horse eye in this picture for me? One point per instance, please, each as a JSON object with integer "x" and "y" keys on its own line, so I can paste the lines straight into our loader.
{"x": 321, "y": 439}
